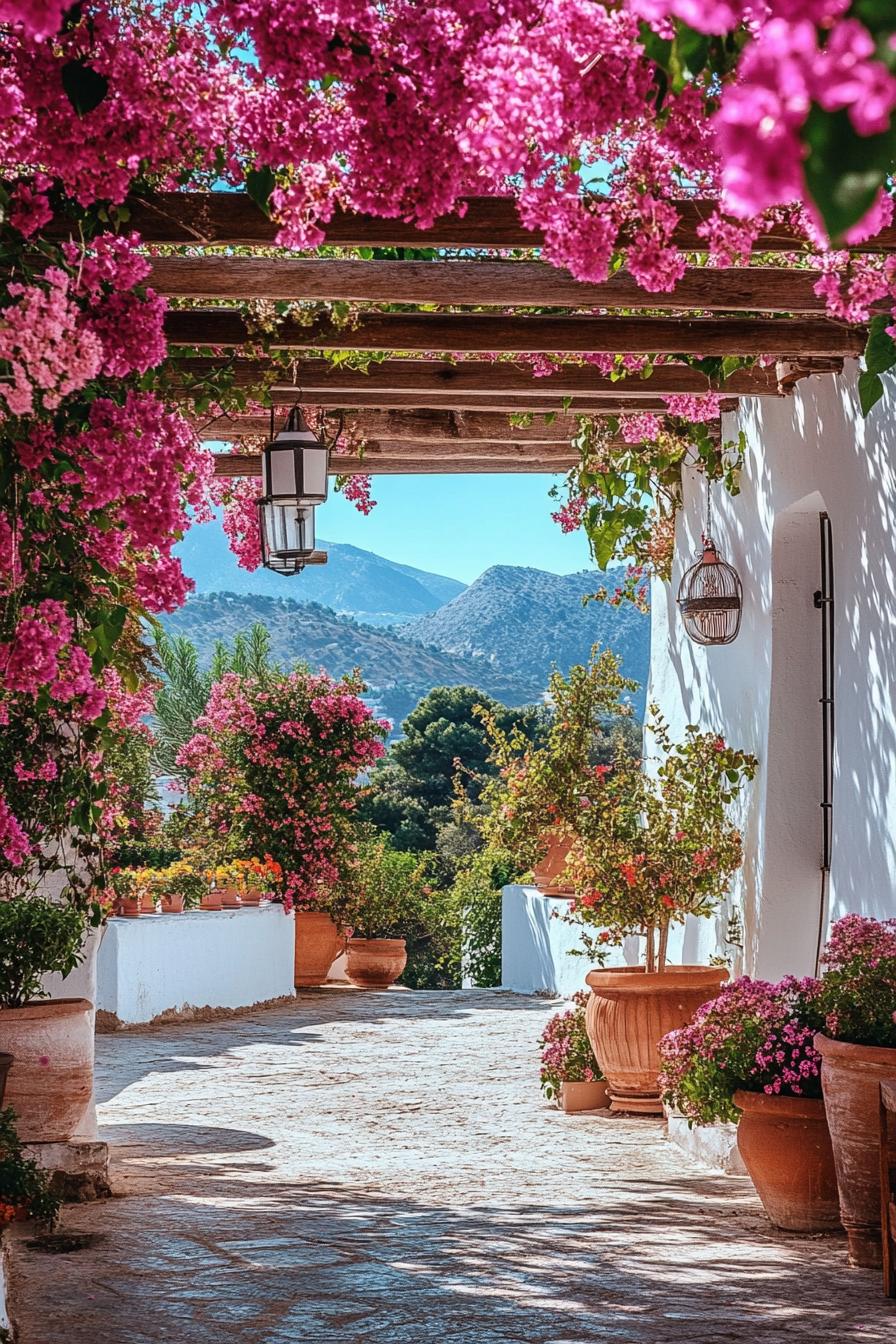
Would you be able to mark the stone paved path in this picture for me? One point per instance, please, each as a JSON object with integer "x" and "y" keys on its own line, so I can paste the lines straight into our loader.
{"x": 380, "y": 1169}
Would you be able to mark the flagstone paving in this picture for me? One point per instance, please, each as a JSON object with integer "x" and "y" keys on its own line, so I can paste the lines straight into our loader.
{"x": 379, "y": 1168}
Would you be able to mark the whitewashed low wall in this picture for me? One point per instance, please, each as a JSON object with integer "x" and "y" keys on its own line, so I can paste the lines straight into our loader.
{"x": 536, "y": 943}
{"x": 167, "y": 964}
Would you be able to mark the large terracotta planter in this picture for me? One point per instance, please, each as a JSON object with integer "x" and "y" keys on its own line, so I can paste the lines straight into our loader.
{"x": 629, "y": 1012}
{"x": 51, "y": 1079}
{"x": 547, "y": 870}
{"x": 375, "y": 963}
{"x": 786, "y": 1148}
{"x": 318, "y": 944}
{"x": 850, "y": 1079}
{"x": 583, "y": 1097}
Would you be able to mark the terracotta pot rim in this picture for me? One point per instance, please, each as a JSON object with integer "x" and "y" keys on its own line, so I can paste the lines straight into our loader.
{"x": 795, "y": 1108}
{"x": 315, "y": 914}
{"x": 638, "y": 980}
{"x": 377, "y": 944}
{"x": 846, "y": 1053}
{"x": 35, "y": 1008}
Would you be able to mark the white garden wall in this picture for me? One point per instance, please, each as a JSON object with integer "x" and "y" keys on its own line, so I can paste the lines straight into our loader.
{"x": 172, "y": 964}
{"x": 809, "y": 452}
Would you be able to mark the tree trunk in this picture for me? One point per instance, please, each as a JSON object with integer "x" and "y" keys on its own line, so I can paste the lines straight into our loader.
{"x": 664, "y": 944}
{"x": 651, "y": 955}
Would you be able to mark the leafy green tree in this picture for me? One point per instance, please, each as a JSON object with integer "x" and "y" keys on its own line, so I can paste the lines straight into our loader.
{"x": 411, "y": 793}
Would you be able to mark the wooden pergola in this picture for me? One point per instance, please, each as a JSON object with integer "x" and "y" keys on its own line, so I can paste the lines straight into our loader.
{"x": 449, "y": 396}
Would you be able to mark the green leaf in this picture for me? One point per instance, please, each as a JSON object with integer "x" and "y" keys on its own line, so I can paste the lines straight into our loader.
{"x": 871, "y": 389}
{"x": 844, "y": 170}
{"x": 880, "y": 350}
{"x": 260, "y": 182}
{"x": 84, "y": 87}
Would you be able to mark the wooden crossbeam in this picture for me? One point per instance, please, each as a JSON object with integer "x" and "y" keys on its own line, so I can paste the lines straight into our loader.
{"x": 467, "y": 427}
{"x": 422, "y": 462}
{"x": 233, "y": 218}
{"x": 479, "y": 333}
{"x": 479, "y": 283}
{"x": 481, "y": 378}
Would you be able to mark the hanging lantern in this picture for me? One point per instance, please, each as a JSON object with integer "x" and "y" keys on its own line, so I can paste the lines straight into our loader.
{"x": 711, "y": 598}
{"x": 287, "y": 536}
{"x": 294, "y": 465}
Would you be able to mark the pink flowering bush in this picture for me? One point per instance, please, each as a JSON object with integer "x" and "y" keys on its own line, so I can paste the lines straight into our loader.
{"x": 566, "y": 1054}
{"x": 858, "y": 986}
{"x": 755, "y": 1037}
{"x": 273, "y": 769}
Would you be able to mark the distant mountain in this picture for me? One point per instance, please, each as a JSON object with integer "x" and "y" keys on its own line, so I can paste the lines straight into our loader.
{"x": 397, "y": 670}
{"x": 355, "y": 582}
{"x": 527, "y": 621}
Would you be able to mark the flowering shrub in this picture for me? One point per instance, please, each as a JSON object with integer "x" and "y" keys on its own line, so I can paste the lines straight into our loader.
{"x": 543, "y": 787}
{"x": 382, "y": 893}
{"x": 755, "y": 1037}
{"x": 566, "y": 1054}
{"x": 653, "y": 848}
{"x": 858, "y": 987}
{"x": 272, "y": 770}
{"x": 25, "y": 1188}
{"x": 36, "y": 937}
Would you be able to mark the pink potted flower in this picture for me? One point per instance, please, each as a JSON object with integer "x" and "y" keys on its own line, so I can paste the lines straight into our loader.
{"x": 570, "y": 1075}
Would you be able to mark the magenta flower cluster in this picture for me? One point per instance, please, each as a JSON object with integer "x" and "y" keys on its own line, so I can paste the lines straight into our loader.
{"x": 566, "y": 1053}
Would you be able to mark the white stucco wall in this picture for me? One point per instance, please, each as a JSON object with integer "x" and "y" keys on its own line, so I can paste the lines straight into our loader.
{"x": 808, "y": 452}
{"x": 536, "y": 943}
{"x": 204, "y": 959}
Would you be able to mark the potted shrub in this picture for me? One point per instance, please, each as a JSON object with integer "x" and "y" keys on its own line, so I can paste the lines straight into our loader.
{"x": 227, "y": 879}
{"x": 570, "y": 1075}
{"x": 858, "y": 1049}
{"x": 183, "y": 888}
{"x": 381, "y": 904}
{"x": 51, "y": 1079}
{"x": 748, "y": 1056}
{"x": 257, "y": 880}
{"x": 127, "y": 893}
{"x": 651, "y": 850}
{"x": 150, "y": 884}
{"x": 534, "y": 804}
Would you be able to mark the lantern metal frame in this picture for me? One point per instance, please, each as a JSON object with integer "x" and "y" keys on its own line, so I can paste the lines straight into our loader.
{"x": 710, "y": 598}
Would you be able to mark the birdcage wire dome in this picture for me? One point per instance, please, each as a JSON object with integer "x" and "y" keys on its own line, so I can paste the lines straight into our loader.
{"x": 710, "y": 598}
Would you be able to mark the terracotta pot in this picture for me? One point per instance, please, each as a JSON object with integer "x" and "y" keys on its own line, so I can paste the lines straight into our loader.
{"x": 129, "y": 907}
{"x": 211, "y": 901}
{"x": 172, "y": 905}
{"x": 584, "y": 1096}
{"x": 850, "y": 1079}
{"x": 375, "y": 963}
{"x": 251, "y": 898}
{"x": 51, "y": 1079}
{"x": 628, "y": 1013}
{"x": 786, "y": 1148}
{"x": 230, "y": 898}
{"x": 318, "y": 944}
{"x": 148, "y": 903}
{"x": 549, "y": 867}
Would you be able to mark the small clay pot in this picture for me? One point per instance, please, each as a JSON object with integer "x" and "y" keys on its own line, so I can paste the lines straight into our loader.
{"x": 172, "y": 905}
{"x": 253, "y": 898}
{"x": 375, "y": 963}
{"x": 593, "y": 1096}
{"x": 230, "y": 898}
{"x": 786, "y": 1148}
{"x": 129, "y": 907}
{"x": 211, "y": 901}
{"x": 148, "y": 903}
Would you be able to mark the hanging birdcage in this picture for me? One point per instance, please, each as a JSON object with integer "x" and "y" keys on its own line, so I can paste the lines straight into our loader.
{"x": 711, "y": 598}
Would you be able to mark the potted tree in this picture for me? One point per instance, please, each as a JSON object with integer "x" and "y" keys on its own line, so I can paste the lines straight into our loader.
{"x": 380, "y": 904}
{"x": 534, "y": 805}
{"x": 748, "y": 1056}
{"x": 651, "y": 850}
{"x": 857, "y": 1045}
{"x": 51, "y": 1040}
{"x": 570, "y": 1075}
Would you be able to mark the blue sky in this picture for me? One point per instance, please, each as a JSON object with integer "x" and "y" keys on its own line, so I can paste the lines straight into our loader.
{"x": 459, "y": 525}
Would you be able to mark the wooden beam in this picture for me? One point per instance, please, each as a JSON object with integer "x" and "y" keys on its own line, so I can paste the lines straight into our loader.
{"x": 464, "y": 427}
{"x": 479, "y": 283}
{"x": 478, "y": 333}
{"x": 233, "y": 218}
{"x": 479, "y": 377}
{"x": 423, "y": 463}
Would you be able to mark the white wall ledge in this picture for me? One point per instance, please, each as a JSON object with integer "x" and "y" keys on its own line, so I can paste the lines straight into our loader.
{"x": 177, "y": 965}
